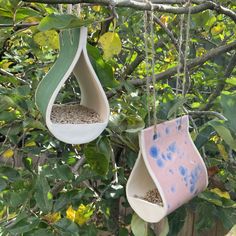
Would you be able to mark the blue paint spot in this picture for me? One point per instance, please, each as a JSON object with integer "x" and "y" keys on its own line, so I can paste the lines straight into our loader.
{"x": 194, "y": 176}
{"x": 172, "y": 189}
{"x": 182, "y": 170}
{"x": 168, "y": 206}
{"x": 171, "y": 171}
{"x": 178, "y": 124}
{"x": 167, "y": 130}
{"x": 160, "y": 163}
{"x": 172, "y": 147}
{"x": 156, "y": 136}
{"x": 185, "y": 142}
{"x": 169, "y": 156}
{"x": 192, "y": 188}
{"x": 154, "y": 152}
{"x": 163, "y": 156}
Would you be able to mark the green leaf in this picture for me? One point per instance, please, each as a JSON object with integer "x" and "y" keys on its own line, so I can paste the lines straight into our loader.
{"x": 203, "y": 136}
{"x": 103, "y": 70}
{"x": 228, "y": 103}
{"x": 41, "y": 194}
{"x": 67, "y": 226}
{"x": 7, "y": 116}
{"x": 165, "y": 229}
{"x": 9, "y": 173}
{"x": 135, "y": 123}
{"x": 227, "y": 217}
{"x": 48, "y": 39}
{"x": 23, "y": 90}
{"x": 62, "y": 21}
{"x": 176, "y": 221}
{"x": 178, "y": 104}
{"x": 231, "y": 81}
{"x": 224, "y": 132}
{"x": 206, "y": 216}
{"x": 40, "y": 232}
{"x": 24, "y": 226}
{"x": 138, "y": 226}
{"x": 3, "y": 184}
{"x": 63, "y": 172}
{"x": 18, "y": 198}
{"x": 104, "y": 146}
{"x": 31, "y": 123}
{"x": 211, "y": 197}
{"x": 97, "y": 160}
{"x": 24, "y": 12}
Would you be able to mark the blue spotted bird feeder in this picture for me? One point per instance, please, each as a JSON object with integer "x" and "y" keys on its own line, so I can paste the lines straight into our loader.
{"x": 169, "y": 170}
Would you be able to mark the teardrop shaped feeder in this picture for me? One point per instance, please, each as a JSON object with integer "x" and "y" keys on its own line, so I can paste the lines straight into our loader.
{"x": 92, "y": 112}
{"x": 169, "y": 171}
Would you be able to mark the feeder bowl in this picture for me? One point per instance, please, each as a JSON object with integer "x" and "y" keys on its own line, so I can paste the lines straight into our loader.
{"x": 169, "y": 163}
{"x": 73, "y": 57}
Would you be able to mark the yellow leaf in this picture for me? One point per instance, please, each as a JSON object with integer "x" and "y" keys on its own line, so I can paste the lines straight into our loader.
{"x": 70, "y": 213}
{"x": 83, "y": 214}
{"x": 220, "y": 193}
{"x": 164, "y": 19}
{"x": 111, "y": 44}
{"x": 8, "y": 153}
{"x": 30, "y": 144}
{"x": 52, "y": 218}
{"x": 6, "y": 65}
{"x": 48, "y": 38}
{"x": 219, "y": 28}
{"x": 222, "y": 151}
{"x": 96, "y": 8}
{"x": 201, "y": 51}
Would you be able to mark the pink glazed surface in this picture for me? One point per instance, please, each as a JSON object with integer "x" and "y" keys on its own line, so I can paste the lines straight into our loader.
{"x": 174, "y": 162}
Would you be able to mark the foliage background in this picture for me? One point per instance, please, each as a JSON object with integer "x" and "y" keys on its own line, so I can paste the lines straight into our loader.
{"x": 51, "y": 188}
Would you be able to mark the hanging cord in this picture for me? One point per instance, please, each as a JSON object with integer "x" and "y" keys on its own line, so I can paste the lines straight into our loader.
{"x": 153, "y": 71}
{"x": 179, "y": 54}
{"x": 187, "y": 38}
{"x": 69, "y": 11}
{"x": 78, "y": 10}
{"x": 145, "y": 18}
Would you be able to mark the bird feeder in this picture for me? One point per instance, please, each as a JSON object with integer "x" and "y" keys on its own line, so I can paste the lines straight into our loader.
{"x": 169, "y": 170}
{"x": 73, "y": 57}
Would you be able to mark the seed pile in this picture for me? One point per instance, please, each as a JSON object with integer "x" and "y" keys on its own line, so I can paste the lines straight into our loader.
{"x": 73, "y": 114}
{"x": 153, "y": 196}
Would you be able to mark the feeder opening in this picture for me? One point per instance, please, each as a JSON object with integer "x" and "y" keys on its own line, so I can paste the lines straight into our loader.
{"x": 67, "y": 111}
{"x": 73, "y": 114}
{"x": 144, "y": 187}
{"x": 153, "y": 196}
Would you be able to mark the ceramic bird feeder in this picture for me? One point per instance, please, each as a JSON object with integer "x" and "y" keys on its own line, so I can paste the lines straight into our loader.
{"x": 73, "y": 57}
{"x": 169, "y": 171}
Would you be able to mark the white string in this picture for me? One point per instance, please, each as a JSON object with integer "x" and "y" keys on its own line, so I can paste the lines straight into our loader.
{"x": 186, "y": 48}
{"x": 153, "y": 69}
{"x": 78, "y": 10}
{"x": 179, "y": 53}
{"x": 69, "y": 9}
{"x": 146, "y": 66}
{"x": 60, "y": 8}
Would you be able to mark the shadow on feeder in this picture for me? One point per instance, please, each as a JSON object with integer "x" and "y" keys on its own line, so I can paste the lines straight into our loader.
{"x": 73, "y": 123}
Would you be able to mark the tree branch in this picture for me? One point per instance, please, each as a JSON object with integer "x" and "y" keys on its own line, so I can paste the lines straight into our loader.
{"x": 160, "y": 7}
{"x": 221, "y": 84}
{"x": 190, "y": 64}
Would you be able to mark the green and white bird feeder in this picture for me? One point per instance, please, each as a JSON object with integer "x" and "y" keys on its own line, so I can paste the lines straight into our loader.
{"x": 73, "y": 57}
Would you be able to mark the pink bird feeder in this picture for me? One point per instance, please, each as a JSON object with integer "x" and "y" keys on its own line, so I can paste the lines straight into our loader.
{"x": 169, "y": 170}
